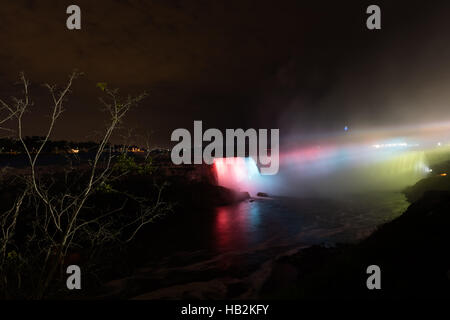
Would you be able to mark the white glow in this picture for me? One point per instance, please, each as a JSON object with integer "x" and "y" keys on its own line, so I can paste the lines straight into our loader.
{"x": 390, "y": 145}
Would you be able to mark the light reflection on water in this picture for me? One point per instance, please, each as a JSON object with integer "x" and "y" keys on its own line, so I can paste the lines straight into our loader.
{"x": 236, "y": 226}
{"x": 240, "y": 242}
{"x": 284, "y": 222}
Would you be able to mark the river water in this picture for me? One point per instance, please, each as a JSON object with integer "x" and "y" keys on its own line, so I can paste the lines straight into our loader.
{"x": 228, "y": 253}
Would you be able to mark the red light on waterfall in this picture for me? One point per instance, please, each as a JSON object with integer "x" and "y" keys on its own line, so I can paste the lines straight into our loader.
{"x": 227, "y": 167}
{"x": 220, "y": 166}
{"x": 239, "y": 174}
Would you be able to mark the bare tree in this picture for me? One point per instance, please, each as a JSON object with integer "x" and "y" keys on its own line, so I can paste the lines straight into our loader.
{"x": 59, "y": 218}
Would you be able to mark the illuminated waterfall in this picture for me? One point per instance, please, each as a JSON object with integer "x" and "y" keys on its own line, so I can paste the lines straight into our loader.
{"x": 328, "y": 171}
{"x": 239, "y": 174}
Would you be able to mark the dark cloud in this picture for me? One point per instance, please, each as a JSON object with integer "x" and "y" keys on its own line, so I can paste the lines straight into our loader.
{"x": 229, "y": 63}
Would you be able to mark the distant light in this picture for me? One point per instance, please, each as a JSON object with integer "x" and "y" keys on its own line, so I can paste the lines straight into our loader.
{"x": 345, "y": 128}
{"x": 390, "y": 145}
{"x": 443, "y": 174}
{"x": 439, "y": 144}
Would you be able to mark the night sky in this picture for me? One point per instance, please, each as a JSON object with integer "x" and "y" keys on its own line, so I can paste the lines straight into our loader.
{"x": 305, "y": 67}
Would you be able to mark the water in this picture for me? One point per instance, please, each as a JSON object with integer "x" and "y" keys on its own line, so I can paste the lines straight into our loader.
{"x": 229, "y": 252}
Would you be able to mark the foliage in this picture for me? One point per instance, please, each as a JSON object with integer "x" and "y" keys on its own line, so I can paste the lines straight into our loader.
{"x": 102, "y": 85}
{"x": 105, "y": 187}
{"x": 127, "y": 164}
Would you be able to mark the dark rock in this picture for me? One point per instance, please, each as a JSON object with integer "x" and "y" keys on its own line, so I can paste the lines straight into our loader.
{"x": 262, "y": 194}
